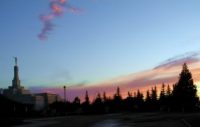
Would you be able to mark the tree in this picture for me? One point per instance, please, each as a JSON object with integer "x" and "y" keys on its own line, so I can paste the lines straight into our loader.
{"x": 98, "y": 98}
{"x": 118, "y": 92}
{"x": 117, "y": 95}
{"x": 148, "y": 97}
{"x": 169, "y": 98}
{"x": 148, "y": 103}
{"x": 104, "y": 97}
{"x": 86, "y": 103}
{"x": 75, "y": 106}
{"x": 169, "y": 91}
{"x": 77, "y": 100}
{"x": 117, "y": 101}
{"x": 139, "y": 96}
{"x": 129, "y": 94}
{"x": 87, "y": 99}
{"x": 162, "y": 92}
{"x": 129, "y": 102}
{"x": 185, "y": 92}
{"x": 162, "y": 98}
{"x": 76, "y": 103}
{"x": 154, "y": 99}
{"x": 139, "y": 100}
{"x": 154, "y": 95}
{"x": 98, "y": 104}
{"x": 107, "y": 103}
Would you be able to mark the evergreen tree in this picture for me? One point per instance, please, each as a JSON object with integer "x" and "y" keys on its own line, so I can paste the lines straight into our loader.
{"x": 98, "y": 98}
{"x": 185, "y": 92}
{"x": 129, "y": 102}
{"x": 77, "y": 100}
{"x": 117, "y": 101}
{"x": 118, "y": 96}
{"x": 104, "y": 97}
{"x": 169, "y": 91}
{"x": 98, "y": 104}
{"x": 169, "y": 98}
{"x": 148, "y": 97}
{"x": 86, "y": 104}
{"x": 140, "y": 96}
{"x": 139, "y": 100}
{"x": 118, "y": 92}
{"x": 148, "y": 103}
{"x": 162, "y": 92}
{"x": 87, "y": 99}
{"x": 129, "y": 94}
{"x": 162, "y": 98}
{"x": 154, "y": 99}
{"x": 154, "y": 95}
{"x": 76, "y": 104}
{"x": 135, "y": 95}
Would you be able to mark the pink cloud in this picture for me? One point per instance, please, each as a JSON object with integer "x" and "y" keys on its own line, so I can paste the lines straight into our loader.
{"x": 57, "y": 8}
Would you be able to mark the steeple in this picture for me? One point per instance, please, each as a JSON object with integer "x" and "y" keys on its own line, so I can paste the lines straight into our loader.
{"x": 15, "y": 61}
{"x": 16, "y": 81}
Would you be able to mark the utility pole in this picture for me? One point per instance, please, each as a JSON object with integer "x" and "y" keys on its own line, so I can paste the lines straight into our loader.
{"x": 64, "y": 87}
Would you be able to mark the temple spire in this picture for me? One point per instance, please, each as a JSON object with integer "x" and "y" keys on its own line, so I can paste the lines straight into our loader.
{"x": 16, "y": 81}
{"x": 15, "y": 61}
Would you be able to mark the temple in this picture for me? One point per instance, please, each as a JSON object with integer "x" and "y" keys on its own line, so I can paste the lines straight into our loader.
{"x": 18, "y": 93}
{"x": 16, "y": 88}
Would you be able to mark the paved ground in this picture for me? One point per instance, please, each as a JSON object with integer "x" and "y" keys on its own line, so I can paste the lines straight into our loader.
{"x": 121, "y": 120}
{"x": 67, "y": 121}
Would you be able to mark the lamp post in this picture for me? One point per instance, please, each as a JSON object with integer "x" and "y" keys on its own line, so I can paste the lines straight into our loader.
{"x": 64, "y": 87}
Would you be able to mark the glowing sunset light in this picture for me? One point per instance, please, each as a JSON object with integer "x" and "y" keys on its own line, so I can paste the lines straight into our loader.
{"x": 130, "y": 44}
{"x": 145, "y": 80}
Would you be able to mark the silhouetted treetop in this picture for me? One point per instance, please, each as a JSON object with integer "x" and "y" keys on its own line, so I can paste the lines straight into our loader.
{"x": 185, "y": 92}
{"x": 162, "y": 92}
{"x": 148, "y": 97}
{"x": 87, "y": 99}
{"x": 118, "y": 92}
{"x": 117, "y": 95}
{"x": 185, "y": 77}
{"x": 77, "y": 100}
{"x": 104, "y": 96}
{"x": 129, "y": 94}
{"x": 154, "y": 95}
{"x": 169, "y": 91}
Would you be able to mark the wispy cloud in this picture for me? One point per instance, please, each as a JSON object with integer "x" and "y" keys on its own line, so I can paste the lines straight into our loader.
{"x": 57, "y": 9}
{"x": 188, "y": 58}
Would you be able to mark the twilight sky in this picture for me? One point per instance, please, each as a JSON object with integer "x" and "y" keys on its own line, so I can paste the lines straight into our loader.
{"x": 104, "y": 40}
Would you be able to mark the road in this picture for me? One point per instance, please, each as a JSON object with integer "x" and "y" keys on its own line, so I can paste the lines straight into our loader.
{"x": 120, "y": 120}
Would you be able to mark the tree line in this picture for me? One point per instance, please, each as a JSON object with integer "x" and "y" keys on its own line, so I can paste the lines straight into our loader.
{"x": 181, "y": 97}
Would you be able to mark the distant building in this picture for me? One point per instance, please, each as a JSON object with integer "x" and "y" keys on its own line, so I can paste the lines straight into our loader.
{"x": 18, "y": 93}
{"x": 49, "y": 98}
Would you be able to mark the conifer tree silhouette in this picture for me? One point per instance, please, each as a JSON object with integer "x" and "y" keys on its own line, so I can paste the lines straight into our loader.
{"x": 185, "y": 92}
{"x": 104, "y": 97}
{"x": 148, "y": 101}
{"x": 117, "y": 100}
{"x": 87, "y": 99}
{"x": 86, "y": 103}
{"x": 128, "y": 102}
{"x": 162, "y": 98}
{"x": 98, "y": 104}
{"x": 76, "y": 104}
{"x": 154, "y": 99}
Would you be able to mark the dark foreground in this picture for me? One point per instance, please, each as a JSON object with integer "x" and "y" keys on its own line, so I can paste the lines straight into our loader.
{"x": 120, "y": 120}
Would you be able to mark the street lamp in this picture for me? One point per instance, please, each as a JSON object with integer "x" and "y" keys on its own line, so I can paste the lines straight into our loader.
{"x": 64, "y": 87}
